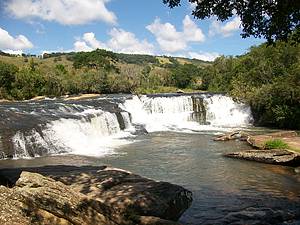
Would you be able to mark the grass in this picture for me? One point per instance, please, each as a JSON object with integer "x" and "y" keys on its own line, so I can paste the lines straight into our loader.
{"x": 276, "y": 144}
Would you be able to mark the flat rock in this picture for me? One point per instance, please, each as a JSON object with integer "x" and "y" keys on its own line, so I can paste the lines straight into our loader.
{"x": 115, "y": 196}
{"x": 274, "y": 156}
{"x": 289, "y": 137}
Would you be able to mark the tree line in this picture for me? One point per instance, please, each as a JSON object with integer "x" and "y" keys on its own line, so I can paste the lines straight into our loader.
{"x": 267, "y": 78}
{"x": 99, "y": 71}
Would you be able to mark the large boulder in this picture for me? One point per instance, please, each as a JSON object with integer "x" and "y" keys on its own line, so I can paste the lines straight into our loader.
{"x": 92, "y": 195}
{"x": 40, "y": 200}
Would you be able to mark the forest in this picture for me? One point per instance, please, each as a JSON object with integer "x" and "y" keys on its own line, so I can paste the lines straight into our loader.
{"x": 267, "y": 77}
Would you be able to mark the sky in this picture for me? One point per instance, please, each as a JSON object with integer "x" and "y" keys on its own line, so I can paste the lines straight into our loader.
{"x": 127, "y": 26}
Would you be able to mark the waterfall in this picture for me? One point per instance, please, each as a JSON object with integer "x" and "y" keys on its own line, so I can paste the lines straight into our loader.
{"x": 161, "y": 113}
{"x": 223, "y": 111}
{"x": 97, "y": 133}
{"x": 177, "y": 113}
{"x": 98, "y": 127}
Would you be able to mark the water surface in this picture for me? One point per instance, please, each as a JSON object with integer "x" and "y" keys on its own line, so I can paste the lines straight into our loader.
{"x": 225, "y": 191}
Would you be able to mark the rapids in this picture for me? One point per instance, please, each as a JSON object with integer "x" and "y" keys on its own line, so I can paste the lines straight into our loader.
{"x": 95, "y": 127}
{"x": 164, "y": 137}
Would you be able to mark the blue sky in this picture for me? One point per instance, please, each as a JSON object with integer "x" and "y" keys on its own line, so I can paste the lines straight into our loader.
{"x": 131, "y": 26}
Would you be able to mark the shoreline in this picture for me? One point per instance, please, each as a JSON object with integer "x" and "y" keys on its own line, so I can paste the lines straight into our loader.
{"x": 286, "y": 156}
{"x": 93, "y": 95}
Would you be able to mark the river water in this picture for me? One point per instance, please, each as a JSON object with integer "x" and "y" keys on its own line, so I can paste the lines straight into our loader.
{"x": 158, "y": 138}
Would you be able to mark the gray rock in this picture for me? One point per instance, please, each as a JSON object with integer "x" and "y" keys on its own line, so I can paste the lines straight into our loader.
{"x": 79, "y": 195}
{"x": 274, "y": 156}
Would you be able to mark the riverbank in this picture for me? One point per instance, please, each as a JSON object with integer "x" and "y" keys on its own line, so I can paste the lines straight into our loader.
{"x": 285, "y": 149}
{"x": 159, "y": 91}
{"x": 88, "y": 195}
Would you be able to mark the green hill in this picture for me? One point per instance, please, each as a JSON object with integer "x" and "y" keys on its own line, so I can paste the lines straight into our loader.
{"x": 99, "y": 71}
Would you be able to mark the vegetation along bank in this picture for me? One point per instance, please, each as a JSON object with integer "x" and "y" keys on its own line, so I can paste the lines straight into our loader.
{"x": 267, "y": 77}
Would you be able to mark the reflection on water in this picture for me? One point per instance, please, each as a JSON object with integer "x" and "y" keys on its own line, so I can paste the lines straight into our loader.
{"x": 226, "y": 191}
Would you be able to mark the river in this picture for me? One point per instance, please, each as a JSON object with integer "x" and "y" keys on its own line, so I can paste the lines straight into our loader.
{"x": 158, "y": 137}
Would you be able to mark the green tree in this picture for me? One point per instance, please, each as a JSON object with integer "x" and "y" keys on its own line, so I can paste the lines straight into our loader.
{"x": 27, "y": 84}
{"x": 183, "y": 75}
{"x": 273, "y": 20}
{"x": 98, "y": 59}
{"x": 268, "y": 79}
{"x": 7, "y": 78}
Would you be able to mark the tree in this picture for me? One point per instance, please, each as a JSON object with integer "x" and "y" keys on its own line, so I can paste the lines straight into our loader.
{"x": 97, "y": 59}
{"x": 182, "y": 75}
{"x": 271, "y": 19}
{"x": 267, "y": 79}
{"x": 7, "y": 75}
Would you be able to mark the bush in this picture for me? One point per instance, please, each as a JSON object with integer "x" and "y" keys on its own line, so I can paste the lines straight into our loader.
{"x": 276, "y": 144}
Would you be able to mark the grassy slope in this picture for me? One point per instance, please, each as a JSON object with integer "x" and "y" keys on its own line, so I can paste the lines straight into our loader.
{"x": 48, "y": 64}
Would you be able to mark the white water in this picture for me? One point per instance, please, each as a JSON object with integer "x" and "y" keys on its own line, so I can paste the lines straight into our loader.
{"x": 95, "y": 136}
{"x": 161, "y": 113}
{"x": 174, "y": 113}
{"x": 222, "y": 111}
{"x": 98, "y": 133}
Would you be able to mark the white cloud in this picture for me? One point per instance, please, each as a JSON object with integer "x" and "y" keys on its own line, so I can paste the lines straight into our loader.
{"x": 225, "y": 30}
{"x": 171, "y": 40}
{"x": 13, "y": 52}
{"x": 91, "y": 40}
{"x": 7, "y": 42}
{"x": 120, "y": 41}
{"x": 69, "y": 12}
{"x": 81, "y": 46}
{"x": 191, "y": 31}
{"x": 126, "y": 42}
{"x": 205, "y": 56}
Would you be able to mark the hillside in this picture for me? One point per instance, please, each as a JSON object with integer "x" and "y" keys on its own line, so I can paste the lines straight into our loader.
{"x": 99, "y": 71}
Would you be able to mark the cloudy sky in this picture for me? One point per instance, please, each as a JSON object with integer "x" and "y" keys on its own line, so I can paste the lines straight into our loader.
{"x": 128, "y": 26}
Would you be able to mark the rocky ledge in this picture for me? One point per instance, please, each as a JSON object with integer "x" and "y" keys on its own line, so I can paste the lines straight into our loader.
{"x": 87, "y": 195}
{"x": 285, "y": 157}
{"x": 274, "y": 156}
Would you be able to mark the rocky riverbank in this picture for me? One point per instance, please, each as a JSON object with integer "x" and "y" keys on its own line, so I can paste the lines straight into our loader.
{"x": 288, "y": 156}
{"x": 87, "y": 195}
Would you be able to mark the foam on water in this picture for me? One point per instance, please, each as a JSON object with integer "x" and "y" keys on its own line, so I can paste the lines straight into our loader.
{"x": 88, "y": 130}
{"x": 174, "y": 113}
{"x": 96, "y": 135}
{"x": 222, "y": 111}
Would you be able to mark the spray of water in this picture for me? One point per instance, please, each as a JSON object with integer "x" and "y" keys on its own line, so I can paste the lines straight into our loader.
{"x": 96, "y": 132}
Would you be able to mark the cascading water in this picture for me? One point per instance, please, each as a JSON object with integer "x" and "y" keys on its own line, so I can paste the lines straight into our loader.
{"x": 223, "y": 111}
{"x": 160, "y": 113}
{"x": 232, "y": 191}
{"x": 97, "y": 127}
{"x": 82, "y": 130}
{"x": 95, "y": 136}
{"x": 175, "y": 113}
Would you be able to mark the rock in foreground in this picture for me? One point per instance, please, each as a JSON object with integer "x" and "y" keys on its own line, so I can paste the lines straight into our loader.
{"x": 274, "y": 156}
{"x": 91, "y": 195}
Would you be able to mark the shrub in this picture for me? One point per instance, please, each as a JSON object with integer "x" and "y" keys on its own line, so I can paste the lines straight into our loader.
{"x": 276, "y": 144}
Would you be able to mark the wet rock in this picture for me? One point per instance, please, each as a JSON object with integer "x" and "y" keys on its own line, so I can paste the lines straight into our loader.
{"x": 199, "y": 110}
{"x": 95, "y": 195}
{"x": 275, "y": 156}
{"x": 241, "y": 135}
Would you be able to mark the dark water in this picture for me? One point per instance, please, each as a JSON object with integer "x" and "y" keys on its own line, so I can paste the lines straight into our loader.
{"x": 226, "y": 191}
